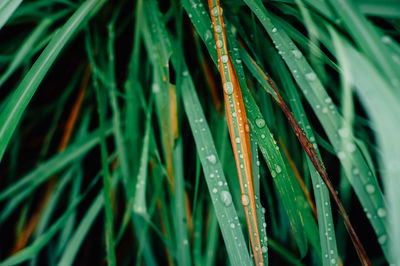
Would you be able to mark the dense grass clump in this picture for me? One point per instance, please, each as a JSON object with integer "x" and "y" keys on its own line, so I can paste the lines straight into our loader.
{"x": 219, "y": 132}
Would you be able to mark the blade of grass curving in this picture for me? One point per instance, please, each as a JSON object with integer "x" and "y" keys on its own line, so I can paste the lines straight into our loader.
{"x": 214, "y": 175}
{"x": 16, "y": 105}
{"x": 238, "y": 128}
{"x": 383, "y": 107}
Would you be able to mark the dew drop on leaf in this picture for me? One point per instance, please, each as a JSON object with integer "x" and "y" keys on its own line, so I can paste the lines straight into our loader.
{"x": 226, "y": 198}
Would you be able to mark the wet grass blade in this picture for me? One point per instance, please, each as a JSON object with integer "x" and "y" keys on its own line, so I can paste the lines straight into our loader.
{"x": 326, "y": 229}
{"x": 214, "y": 175}
{"x": 238, "y": 128}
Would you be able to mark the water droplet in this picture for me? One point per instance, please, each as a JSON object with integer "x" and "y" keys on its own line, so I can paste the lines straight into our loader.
{"x": 273, "y": 173}
{"x": 344, "y": 132}
{"x": 215, "y": 190}
{"x": 385, "y": 39}
{"x": 278, "y": 169}
{"x": 311, "y": 76}
{"x": 212, "y": 159}
{"x": 237, "y": 140}
{"x": 226, "y": 198}
{"x": 370, "y": 188}
{"x": 341, "y": 155}
{"x": 274, "y": 30}
{"x": 350, "y": 147}
{"x": 328, "y": 100}
{"x": 219, "y": 44}
{"x": 356, "y": 171}
{"x": 260, "y": 122}
{"x": 207, "y": 35}
{"x": 245, "y": 200}
{"x": 224, "y": 59}
{"x": 220, "y": 183}
{"x": 324, "y": 110}
{"x": 215, "y": 11}
{"x": 382, "y": 239}
{"x": 211, "y": 175}
{"x": 297, "y": 54}
{"x": 218, "y": 29}
{"x": 333, "y": 261}
{"x": 185, "y": 242}
{"x": 232, "y": 225}
{"x": 228, "y": 87}
{"x": 381, "y": 212}
{"x": 156, "y": 88}
{"x": 264, "y": 249}
{"x": 247, "y": 128}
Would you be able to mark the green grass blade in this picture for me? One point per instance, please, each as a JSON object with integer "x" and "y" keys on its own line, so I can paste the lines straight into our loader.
{"x": 214, "y": 175}
{"x": 180, "y": 219}
{"x": 260, "y": 209}
{"x": 7, "y": 8}
{"x": 139, "y": 204}
{"x": 109, "y": 214}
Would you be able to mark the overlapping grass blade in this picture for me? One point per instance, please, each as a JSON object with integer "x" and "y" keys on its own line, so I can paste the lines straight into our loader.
{"x": 42, "y": 240}
{"x": 357, "y": 171}
{"x": 46, "y": 169}
{"x": 288, "y": 189}
{"x": 16, "y": 105}
{"x": 326, "y": 229}
{"x": 238, "y": 128}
